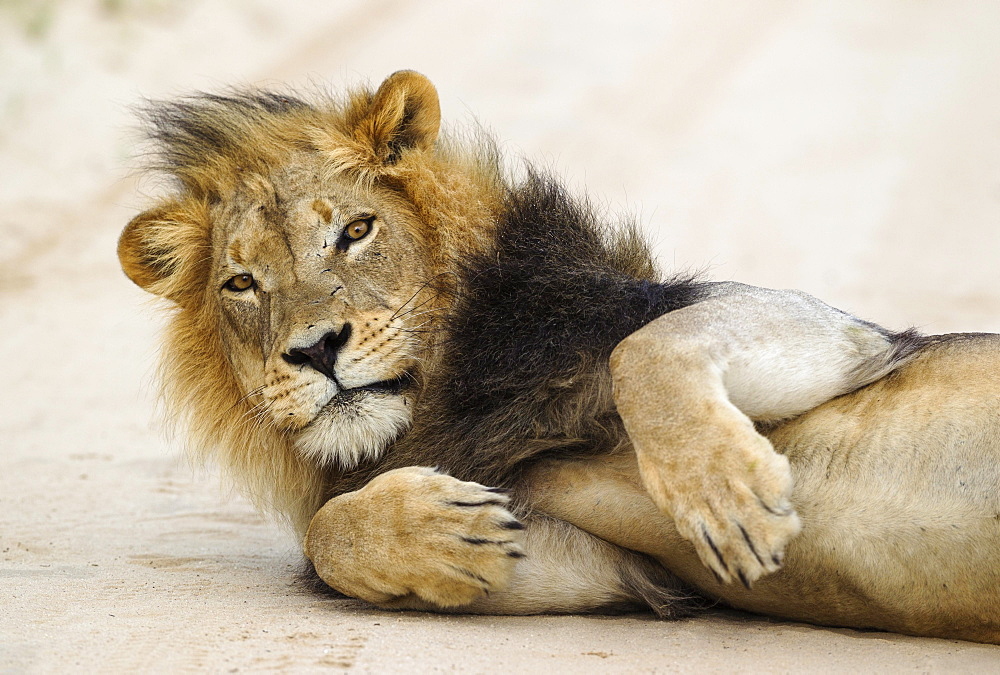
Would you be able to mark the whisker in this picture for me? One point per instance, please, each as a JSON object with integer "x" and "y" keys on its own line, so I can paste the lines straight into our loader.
{"x": 426, "y": 311}
{"x": 423, "y": 286}
{"x": 399, "y": 315}
{"x": 257, "y": 415}
{"x": 417, "y": 331}
{"x": 420, "y": 290}
{"x": 252, "y": 392}
{"x": 255, "y": 408}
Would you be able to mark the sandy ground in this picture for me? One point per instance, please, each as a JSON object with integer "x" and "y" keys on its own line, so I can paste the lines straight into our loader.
{"x": 850, "y": 149}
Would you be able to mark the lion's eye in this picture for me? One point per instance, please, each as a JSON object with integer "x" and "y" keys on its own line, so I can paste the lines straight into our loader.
{"x": 355, "y": 230}
{"x": 240, "y": 283}
{"x": 358, "y": 229}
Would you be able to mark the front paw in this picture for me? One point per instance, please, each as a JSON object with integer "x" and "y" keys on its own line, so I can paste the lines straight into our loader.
{"x": 416, "y": 532}
{"x": 728, "y": 493}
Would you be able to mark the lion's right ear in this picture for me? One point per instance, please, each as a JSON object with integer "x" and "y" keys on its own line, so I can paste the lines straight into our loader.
{"x": 164, "y": 249}
{"x": 379, "y": 128}
{"x": 405, "y": 113}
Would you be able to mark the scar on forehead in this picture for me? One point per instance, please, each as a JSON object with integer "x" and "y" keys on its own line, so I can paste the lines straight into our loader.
{"x": 236, "y": 252}
{"x": 324, "y": 209}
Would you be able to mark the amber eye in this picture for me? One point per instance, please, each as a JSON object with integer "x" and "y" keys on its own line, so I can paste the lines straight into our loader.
{"x": 240, "y": 283}
{"x": 358, "y": 229}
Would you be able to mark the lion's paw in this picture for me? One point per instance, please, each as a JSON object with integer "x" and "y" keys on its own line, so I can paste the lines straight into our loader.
{"x": 731, "y": 499}
{"x": 415, "y": 532}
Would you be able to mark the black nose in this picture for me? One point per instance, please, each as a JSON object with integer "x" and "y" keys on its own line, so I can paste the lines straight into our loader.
{"x": 323, "y": 355}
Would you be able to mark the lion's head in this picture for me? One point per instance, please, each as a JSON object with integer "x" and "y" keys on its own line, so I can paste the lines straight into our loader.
{"x": 306, "y": 250}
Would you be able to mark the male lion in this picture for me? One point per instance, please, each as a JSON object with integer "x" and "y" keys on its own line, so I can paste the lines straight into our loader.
{"x": 356, "y": 299}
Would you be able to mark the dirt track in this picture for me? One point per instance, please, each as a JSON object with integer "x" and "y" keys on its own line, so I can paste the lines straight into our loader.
{"x": 851, "y": 152}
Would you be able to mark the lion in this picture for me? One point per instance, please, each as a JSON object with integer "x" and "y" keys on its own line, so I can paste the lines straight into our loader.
{"x": 468, "y": 390}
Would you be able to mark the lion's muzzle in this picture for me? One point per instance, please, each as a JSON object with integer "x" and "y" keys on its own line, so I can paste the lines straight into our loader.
{"x": 322, "y": 355}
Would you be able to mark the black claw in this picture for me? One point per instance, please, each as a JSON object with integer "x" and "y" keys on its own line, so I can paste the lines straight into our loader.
{"x": 711, "y": 545}
{"x": 746, "y": 538}
{"x": 487, "y": 502}
{"x": 718, "y": 556}
{"x": 512, "y": 525}
{"x": 515, "y": 554}
{"x": 743, "y": 578}
{"x": 785, "y": 511}
{"x": 478, "y": 541}
{"x": 499, "y": 491}
{"x": 473, "y": 575}
{"x": 777, "y": 560}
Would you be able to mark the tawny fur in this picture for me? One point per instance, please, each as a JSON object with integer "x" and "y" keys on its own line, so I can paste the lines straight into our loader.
{"x": 217, "y": 146}
{"x": 499, "y": 330}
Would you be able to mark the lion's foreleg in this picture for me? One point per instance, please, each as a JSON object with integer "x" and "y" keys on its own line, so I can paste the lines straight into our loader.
{"x": 689, "y": 387}
{"x": 417, "y": 533}
{"x": 567, "y": 570}
{"x": 417, "y": 539}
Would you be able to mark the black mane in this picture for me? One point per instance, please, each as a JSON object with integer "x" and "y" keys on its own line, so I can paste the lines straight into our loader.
{"x": 524, "y": 367}
{"x": 561, "y": 289}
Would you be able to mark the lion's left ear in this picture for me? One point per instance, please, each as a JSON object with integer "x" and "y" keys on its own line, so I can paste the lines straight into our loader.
{"x": 404, "y": 113}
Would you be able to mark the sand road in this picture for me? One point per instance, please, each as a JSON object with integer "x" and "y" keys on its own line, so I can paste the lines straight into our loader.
{"x": 850, "y": 149}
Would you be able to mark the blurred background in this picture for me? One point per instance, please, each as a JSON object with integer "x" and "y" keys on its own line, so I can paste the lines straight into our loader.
{"x": 849, "y": 148}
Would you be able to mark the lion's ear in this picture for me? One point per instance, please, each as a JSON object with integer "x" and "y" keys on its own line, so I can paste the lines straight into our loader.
{"x": 138, "y": 260}
{"x": 163, "y": 249}
{"x": 404, "y": 113}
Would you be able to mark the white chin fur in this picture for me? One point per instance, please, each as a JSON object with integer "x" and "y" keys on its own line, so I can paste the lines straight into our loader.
{"x": 360, "y": 428}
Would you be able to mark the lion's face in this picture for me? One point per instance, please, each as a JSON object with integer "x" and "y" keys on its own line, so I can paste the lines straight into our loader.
{"x": 324, "y": 298}
{"x": 307, "y": 251}
{"x": 299, "y": 265}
